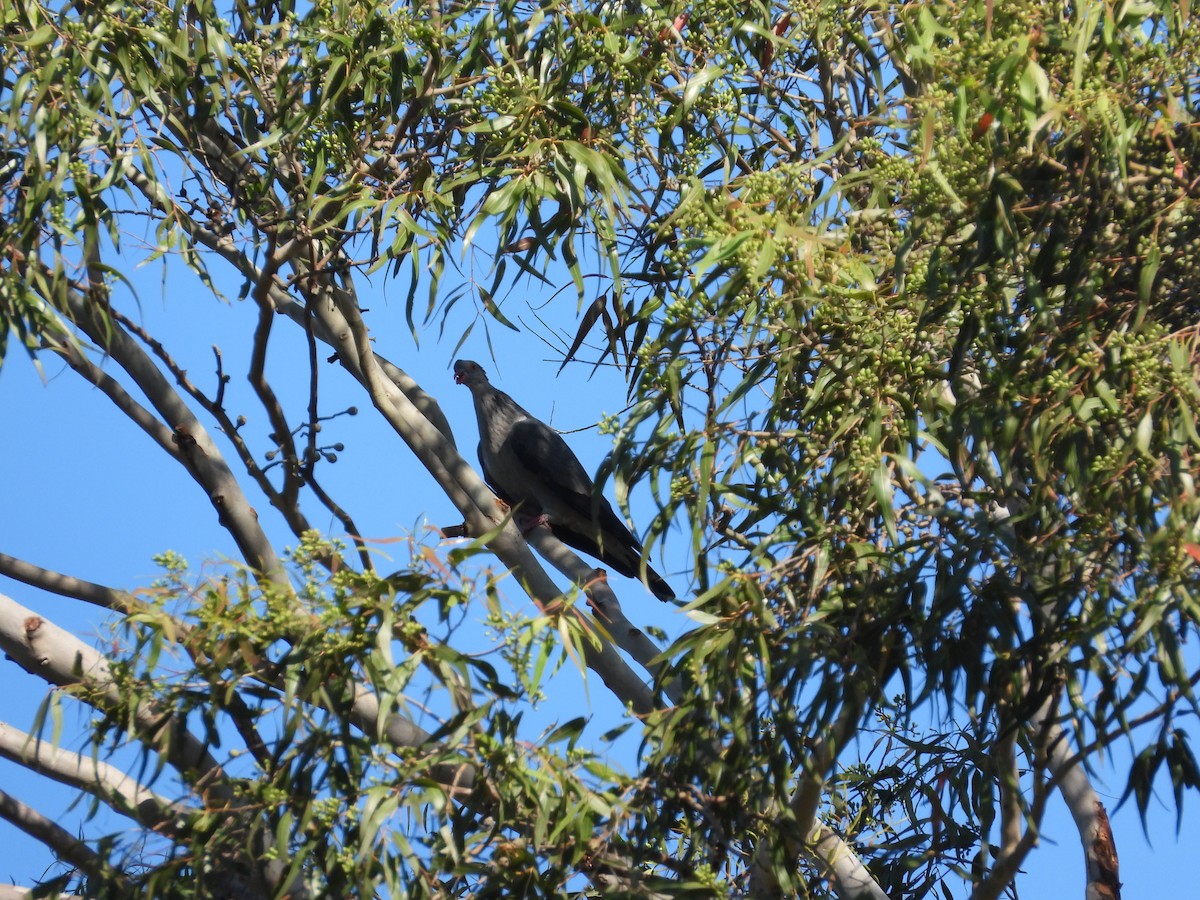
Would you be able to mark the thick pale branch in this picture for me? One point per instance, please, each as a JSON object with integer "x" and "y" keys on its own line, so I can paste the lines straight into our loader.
{"x": 808, "y": 834}
{"x": 58, "y": 657}
{"x": 850, "y": 877}
{"x": 13, "y": 892}
{"x": 1087, "y": 810}
{"x": 96, "y": 777}
{"x": 365, "y": 712}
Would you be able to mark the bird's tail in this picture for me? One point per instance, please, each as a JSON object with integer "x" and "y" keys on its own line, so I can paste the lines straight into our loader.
{"x": 658, "y": 587}
{"x": 622, "y": 553}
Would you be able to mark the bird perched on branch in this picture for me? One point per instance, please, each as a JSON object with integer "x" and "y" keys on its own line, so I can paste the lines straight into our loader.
{"x": 530, "y": 467}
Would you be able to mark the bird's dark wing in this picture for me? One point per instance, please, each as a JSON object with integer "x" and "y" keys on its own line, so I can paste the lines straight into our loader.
{"x": 545, "y": 456}
{"x": 591, "y": 524}
{"x": 492, "y": 483}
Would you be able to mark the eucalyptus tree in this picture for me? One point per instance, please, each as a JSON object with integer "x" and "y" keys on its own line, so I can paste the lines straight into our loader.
{"x": 904, "y": 295}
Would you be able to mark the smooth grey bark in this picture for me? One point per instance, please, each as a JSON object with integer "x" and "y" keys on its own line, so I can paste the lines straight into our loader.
{"x": 116, "y": 788}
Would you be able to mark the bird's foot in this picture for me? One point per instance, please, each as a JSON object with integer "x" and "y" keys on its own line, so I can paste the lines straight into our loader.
{"x": 527, "y": 523}
{"x": 598, "y": 605}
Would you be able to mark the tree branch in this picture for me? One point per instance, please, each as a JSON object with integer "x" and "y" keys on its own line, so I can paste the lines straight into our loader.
{"x": 851, "y": 879}
{"x": 282, "y": 433}
{"x": 398, "y": 730}
{"x": 1087, "y": 810}
{"x": 805, "y": 832}
{"x": 13, "y": 892}
{"x": 99, "y": 779}
{"x": 56, "y": 656}
{"x": 65, "y": 585}
{"x": 227, "y": 249}
{"x": 1015, "y": 842}
{"x": 192, "y": 444}
{"x": 609, "y": 615}
{"x": 54, "y": 836}
{"x": 291, "y": 513}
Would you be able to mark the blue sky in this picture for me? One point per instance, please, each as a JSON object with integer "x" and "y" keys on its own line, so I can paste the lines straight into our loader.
{"x": 85, "y": 492}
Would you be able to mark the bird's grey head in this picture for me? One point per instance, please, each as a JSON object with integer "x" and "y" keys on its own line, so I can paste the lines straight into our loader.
{"x": 469, "y": 372}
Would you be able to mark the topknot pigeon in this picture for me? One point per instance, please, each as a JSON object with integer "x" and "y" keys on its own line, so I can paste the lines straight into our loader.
{"x": 528, "y": 464}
